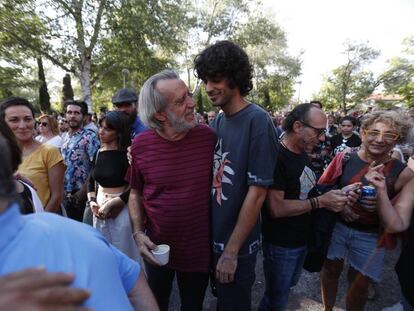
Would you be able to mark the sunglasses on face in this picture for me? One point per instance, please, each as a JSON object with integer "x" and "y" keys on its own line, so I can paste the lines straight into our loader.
{"x": 43, "y": 123}
{"x": 320, "y": 132}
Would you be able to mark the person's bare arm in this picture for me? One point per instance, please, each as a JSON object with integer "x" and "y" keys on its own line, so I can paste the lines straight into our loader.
{"x": 406, "y": 175}
{"x": 141, "y": 296}
{"x": 334, "y": 200}
{"x": 36, "y": 289}
{"x": 55, "y": 176}
{"x": 136, "y": 213}
{"x": 249, "y": 212}
{"x": 394, "y": 218}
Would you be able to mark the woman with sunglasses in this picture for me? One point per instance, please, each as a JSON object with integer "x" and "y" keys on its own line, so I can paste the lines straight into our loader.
{"x": 49, "y": 131}
{"x": 358, "y": 228}
{"x": 41, "y": 164}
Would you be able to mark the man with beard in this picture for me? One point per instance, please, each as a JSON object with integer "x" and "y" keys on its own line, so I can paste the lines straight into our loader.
{"x": 170, "y": 179}
{"x": 126, "y": 100}
{"x": 286, "y": 225}
{"x": 244, "y": 159}
{"x": 78, "y": 151}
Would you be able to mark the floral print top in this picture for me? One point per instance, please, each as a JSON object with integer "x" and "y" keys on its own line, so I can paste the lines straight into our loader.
{"x": 78, "y": 151}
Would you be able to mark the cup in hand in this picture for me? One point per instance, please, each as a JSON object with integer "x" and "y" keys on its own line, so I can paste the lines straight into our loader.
{"x": 162, "y": 254}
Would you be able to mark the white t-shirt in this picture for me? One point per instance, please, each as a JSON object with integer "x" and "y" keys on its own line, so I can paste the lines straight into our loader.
{"x": 55, "y": 141}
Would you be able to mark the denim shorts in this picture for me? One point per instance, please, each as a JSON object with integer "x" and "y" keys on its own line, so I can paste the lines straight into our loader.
{"x": 359, "y": 249}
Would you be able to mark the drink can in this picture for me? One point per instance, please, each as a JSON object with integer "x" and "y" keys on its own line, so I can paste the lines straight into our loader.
{"x": 368, "y": 192}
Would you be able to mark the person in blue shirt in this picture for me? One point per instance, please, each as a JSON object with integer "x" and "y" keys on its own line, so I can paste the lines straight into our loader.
{"x": 59, "y": 244}
{"x": 126, "y": 100}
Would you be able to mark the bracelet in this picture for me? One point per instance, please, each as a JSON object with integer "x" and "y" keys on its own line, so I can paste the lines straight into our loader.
{"x": 317, "y": 202}
{"x": 92, "y": 200}
{"x": 138, "y": 232}
{"x": 312, "y": 203}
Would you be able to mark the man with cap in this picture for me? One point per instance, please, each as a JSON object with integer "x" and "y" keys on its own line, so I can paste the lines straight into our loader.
{"x": 126, "y": 100}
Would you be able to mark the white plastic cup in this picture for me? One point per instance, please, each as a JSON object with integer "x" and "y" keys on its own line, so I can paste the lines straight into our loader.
{"x": 162, "y": 254}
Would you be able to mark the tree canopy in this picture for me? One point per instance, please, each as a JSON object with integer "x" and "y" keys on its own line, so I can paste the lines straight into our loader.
{"x": 399, "y": 77}
{"x": 96, "y": 41}
{"x": 347, "y": 85}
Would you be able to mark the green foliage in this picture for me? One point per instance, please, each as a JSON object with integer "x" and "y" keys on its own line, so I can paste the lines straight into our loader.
{"x": 349, "y": 84}
{"x": 141, "y": 36}
{"x": 95, "y": 40}
{"x": 245, "y": 23}
{"x": 20, "y": 28}
{"x": 67, "y": 89}
{"x": 399, "y": 77}
{"x": 44, "y": 97}
{"x": 202, "y": 101}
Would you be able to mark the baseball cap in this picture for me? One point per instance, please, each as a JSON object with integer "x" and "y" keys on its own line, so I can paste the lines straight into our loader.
{"x": 124, "y": 96}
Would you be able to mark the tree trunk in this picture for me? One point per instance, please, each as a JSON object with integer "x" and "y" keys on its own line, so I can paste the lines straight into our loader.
{"x": 85, "y": 81}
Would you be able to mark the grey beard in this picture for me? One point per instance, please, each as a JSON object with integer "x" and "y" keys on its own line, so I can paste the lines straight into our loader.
{"x": 179, "y": 124}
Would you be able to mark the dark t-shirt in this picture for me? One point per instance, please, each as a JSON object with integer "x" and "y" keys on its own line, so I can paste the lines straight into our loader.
{"x": 354, "y": 171}
{"x": 110, "y": 167}
{"x": 245, "y": 155}
{"x": 294, "y": 177}
{"x": 339, "y": 143}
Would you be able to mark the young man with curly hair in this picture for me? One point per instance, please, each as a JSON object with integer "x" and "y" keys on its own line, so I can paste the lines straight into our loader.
{"x": 244, "y": 160}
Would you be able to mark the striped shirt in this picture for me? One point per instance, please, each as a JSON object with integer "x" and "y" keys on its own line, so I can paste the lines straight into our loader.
{"x": 174, "y": 178}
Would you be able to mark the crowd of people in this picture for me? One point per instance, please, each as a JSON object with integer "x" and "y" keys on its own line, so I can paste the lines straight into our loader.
{"x": 217, "y": 188}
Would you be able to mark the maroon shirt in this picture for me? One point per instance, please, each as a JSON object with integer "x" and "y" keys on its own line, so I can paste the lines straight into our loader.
{"x": 175, "y": 180}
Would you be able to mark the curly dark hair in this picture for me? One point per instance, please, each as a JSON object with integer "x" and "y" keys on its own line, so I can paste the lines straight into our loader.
{"x": 228, "y": 60}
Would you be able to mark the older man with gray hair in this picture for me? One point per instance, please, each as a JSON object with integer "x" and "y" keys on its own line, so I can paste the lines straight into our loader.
{"x": 170, "y": 178}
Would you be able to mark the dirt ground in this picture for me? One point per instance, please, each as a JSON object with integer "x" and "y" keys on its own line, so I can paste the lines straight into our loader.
{"x": 306, "y": 295}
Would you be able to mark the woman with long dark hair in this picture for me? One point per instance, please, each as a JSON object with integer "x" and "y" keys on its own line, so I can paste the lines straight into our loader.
{"x": 41, "y": 164}
{"x": 107, "y": 190}
{"x": 29, "y": 200}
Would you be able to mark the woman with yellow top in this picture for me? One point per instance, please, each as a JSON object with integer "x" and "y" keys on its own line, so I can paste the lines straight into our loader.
{"x": 42, "y": 164}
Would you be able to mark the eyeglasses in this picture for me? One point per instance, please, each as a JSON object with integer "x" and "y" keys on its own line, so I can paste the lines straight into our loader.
{"x": 43, "y": 123}
{"x": 386, "y": 136}
{"x": 320, "y": 132}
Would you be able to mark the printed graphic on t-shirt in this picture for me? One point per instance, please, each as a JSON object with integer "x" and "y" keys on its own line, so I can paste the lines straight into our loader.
{"x": 307, "y": 182}
{"x": 222, "y": 172}
{"x": 341, "y": 147}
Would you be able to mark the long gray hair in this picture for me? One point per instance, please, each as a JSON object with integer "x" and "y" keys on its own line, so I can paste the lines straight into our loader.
{"x": 150, "y": 99}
